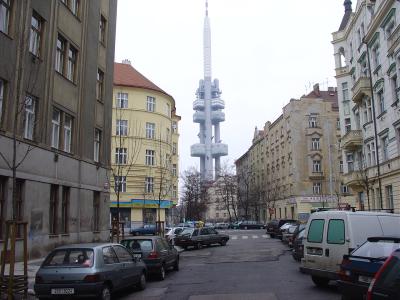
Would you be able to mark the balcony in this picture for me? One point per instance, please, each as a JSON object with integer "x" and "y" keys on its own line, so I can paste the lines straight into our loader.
{"x": 354, "y": 180}
{"x": 219, "y": 149}
{"x": 217, "y": 103}
{"x": 198, "y": 150}
{"x": 198, "y": 104}
{"x": 352, "y": 140}
{"x": 342, "y": 71}
{"x": 199, "y": 117}
{"x": 217, "y": 116}
{"x": 361, "y": 88}
{"x": 316, "y": 176}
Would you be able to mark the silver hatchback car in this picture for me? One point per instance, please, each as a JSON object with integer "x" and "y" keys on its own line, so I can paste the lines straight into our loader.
{"x": 88, "y": 270}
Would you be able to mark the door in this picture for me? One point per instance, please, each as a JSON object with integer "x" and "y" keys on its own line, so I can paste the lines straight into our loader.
{"x": 162, "y": 250}
{"x": 314, "y": 250}
{"x": 131, "y": 272}
{"x": 113, "y": 269}
{"x": 336, "y": 245}
{"x": 169, "y": 260}
{"x": 205, "y": 236}
{"x": 214, "y": 237}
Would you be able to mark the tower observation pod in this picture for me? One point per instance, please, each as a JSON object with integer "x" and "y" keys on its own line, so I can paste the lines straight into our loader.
{"x": 209, "y": 114}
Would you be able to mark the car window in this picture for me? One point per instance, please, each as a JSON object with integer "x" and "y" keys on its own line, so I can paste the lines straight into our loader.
{"x": 178, "y": 230}
{"x": 390, "y": 277}
{"x": 145, "y": 245}
{"x": 159, "y": 245}
{"x": 165, "y": 243}
{"x": 109, "y": 256}
{"x": 123, "y": 254}
{"x": 70, "y": 258}
{"x": 336, "y": 232}
{"x": 316, "y": 231}
{"x": 204, "y": 231}
{"x": 131, "y": 244}
{"x": 377, "y": 249}
{"x": 212, "y": 231}
{"x": 195, "y": 232}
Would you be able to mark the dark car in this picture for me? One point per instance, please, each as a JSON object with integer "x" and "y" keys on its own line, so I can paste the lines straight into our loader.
{"x": 149, "y": 229}
{"x": 155, "y": 251}
{"x": 386, "y": 283}
{"x": 298, "y": 247}
{"x": 299, "y": 228}
{"x": 250, "y": 225}
{"x": 199, "y": 237}
{"x": 359, "y": 268}
{"x": 273, "y": 227}
{"x": 88, "y": 270}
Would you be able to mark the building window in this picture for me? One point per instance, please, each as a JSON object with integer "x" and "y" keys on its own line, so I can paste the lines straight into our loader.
{"x": 373, "y": 154}
{"x": 73, "y": 6}
{"x": 120, "y": 156}
{"x": 151, "y": 103}
{"x": 174, "y": 127}
{"x": 341, "y": 166}
{"x": 174, "y": 148}
{"x": 122, "y": 100}
{"x": 344, "y": 188}
{"x": 120, "y": 184}
{"x": 2, "y": 89}
{"x": 316, "y": 166}
{"x": 55, "y": 122}
{"x": 346, "y": 107}
{"x": 53, "y": 213}
{"x": 149, "y": 184}
{"x": 385, "y": 148}
{"x": 168, "y": 109}
{"x": 367, "y": 110}
{"x": 368, "y": 150}
{"x": 71, "y": 66}
{"x": 345, "y": 91}
{"x": 150, "y": 157}
{"x": 3, "y": 189}
{"x": 350, "y": 163}
{"x": 347, "y": 125}
{"x": 174, "y": 191}
{"x": 96, "y": 211}
{"x": 30, "y": 117}
{"x": 36, "y": 34}
{"x": 375, "y": 55}
{"x": 99, "y": 85}
{"x": 381, "y": 102}
{"x": 315, "y": 143}
{"x": 97, "y": 143}
{"x": 338, "y": 124}
{"x": 312, "y": 122}
{"x": 67, "y": 133}
{"x": 122, "y": 127}
{"x": 389, "y": 196}
{"x": 65, "y": 209}
{"x": 60, "y": 53}
{"x": 5, "y": 10}
{"x": 174, "y": 170}
{"x": 102, "y": 30}
{"x": 394, "y": 86}
{"x": 317, "y": 188}
{"x": 150, "y": 130}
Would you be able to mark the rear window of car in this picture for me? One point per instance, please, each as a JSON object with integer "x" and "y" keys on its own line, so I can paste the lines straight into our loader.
{"x": 187, "y": 231}
{"x": 82, "y": 258}
{"x": 377, "y": 249}
{"x": 316, "y": 231}
{"x": 390, "y": 277}
{"x": 135, "y": 244}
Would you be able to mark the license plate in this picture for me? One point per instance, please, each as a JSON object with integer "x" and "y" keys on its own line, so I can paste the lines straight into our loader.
{"x": 137, "y": 255}
{"x": 64, "y": 291}
{"x": 364, "y": 279}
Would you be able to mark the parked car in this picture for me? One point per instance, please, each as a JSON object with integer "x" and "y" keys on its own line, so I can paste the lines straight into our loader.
{"x": 156, "y": 252}
{"x": 250, "y": 225}
{"x": 332, "y": 234}
{"x": 88, "y": 270}
{"x": 359, "y": 268}
{"x": 386, "y": 283}
{"x": 298, "y": 247}
{"x": 273, "y": 227}
{"x": 144, "y": 230}
{"x": 283, "y": 229}
{"x": 209, "y": 225}
{"x": 199, "y": 237}
{"x": 288, "y": 233}
{"x": 299, "y": 227}
{"x": 170, "y": 235}
{"x": 234, "y": 225}
{"x": 222, "y": 226}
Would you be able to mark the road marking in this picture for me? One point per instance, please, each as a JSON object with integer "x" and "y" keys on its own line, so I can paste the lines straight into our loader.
{"x": 255, "y": 236}
{"x": 234, "y": 237}
{"x": 265, "y": 235}
{"x": 245, "y": 237}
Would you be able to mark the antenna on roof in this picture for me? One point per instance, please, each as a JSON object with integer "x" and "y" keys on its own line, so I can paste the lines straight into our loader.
{"x": 207, "y": 8}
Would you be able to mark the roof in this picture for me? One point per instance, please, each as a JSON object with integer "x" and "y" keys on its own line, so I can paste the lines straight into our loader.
{"x": 126, "y": 75}
{"x": 330, "y": 96}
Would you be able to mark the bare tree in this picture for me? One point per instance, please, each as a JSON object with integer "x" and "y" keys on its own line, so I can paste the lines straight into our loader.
{"x": 244, "y": 193}
{"x": 226, "y": 192}
{"x": 195, "y": 195}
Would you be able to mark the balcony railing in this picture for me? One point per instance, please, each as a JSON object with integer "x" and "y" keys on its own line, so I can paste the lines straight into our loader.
{"x": 361, "y": 88}
{"x": 352, "y": 140}
{"x": 354, "y": 180}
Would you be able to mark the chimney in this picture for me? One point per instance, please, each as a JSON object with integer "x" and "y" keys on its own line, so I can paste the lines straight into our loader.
{"x": 316, "y": 89}
{"x": 126, "y": 61}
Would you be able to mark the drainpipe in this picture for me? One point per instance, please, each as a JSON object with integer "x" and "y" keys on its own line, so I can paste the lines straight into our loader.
{"x": 374, "y": 122}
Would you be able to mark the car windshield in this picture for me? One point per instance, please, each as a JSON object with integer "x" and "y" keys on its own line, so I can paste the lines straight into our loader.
{"x": 82, "y": 258}
{"x": 382, "y": 248}
{"x": 186, "y": 231}
{"x": 301, "y": 234}
{"x": 135, "y": 244}
{"x": 292, "y": 229}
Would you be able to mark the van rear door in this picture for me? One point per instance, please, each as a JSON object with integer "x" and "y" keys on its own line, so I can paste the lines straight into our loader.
{"x": 314, "y": 250}
{"x": 335, "y": 243}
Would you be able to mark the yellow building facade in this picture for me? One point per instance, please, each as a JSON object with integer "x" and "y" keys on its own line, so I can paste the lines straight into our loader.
{"x": 145, "y": 160}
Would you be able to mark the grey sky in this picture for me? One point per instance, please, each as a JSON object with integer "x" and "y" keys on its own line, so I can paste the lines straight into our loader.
{"x": 264, "y": 53}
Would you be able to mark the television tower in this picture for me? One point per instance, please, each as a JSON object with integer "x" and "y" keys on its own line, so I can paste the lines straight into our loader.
{"x": 208, "y": 108}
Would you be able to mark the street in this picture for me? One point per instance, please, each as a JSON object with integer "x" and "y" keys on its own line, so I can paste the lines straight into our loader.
{"x": 250, "y": 266}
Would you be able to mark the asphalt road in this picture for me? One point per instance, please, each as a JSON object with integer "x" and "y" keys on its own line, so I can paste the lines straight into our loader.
{"x": 251, "y": 266}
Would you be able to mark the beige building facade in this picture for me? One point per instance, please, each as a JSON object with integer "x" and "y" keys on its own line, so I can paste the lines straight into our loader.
{"x": 145, "y": 153}
{"x": 293, "y": 166}
{"x": 56, "y": 74}
{"x": 367, "y": 62}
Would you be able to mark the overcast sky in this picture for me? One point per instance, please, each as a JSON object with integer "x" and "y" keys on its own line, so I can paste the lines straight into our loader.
{"x": 264, "y": 53}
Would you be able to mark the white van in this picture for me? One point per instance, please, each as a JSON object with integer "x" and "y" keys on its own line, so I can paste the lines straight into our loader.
{"x": 331, "y": 234}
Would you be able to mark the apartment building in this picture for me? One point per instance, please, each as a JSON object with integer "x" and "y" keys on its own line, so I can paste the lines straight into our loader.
{"x": 145, "y": 153}
{"x": 367, "y": 62}
{"x": 293, "y": 165}
{"x": 56, "y": 76}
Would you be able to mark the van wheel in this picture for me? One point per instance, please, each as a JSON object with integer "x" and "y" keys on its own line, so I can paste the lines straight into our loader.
{"x": 320, "y": 281}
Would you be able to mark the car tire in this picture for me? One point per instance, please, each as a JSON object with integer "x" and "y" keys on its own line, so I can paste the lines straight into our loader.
{"x": 105, "y": 292}
{"x": 320, "y": 281}
{"x": 142, "y": 282}
{"x": 223, "y": 242}
{"x": 176, "y": 264}
{"x": 161, "y": 274}
{"x": 199, "y": 245}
